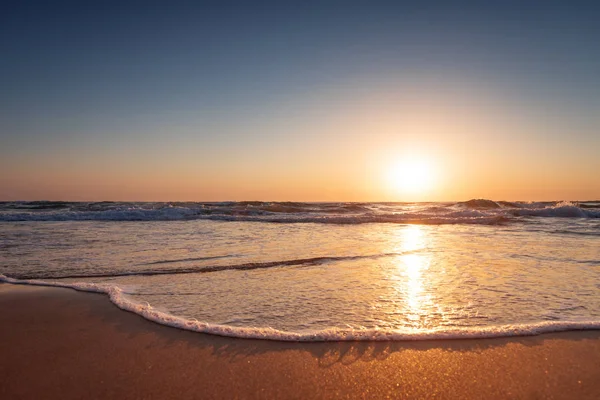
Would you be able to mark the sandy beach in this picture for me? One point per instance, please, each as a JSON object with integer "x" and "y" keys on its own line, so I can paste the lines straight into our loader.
{"x": 59, "y": 343}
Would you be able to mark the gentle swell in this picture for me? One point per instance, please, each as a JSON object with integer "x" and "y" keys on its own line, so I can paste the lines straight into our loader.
{"x": 186, "y": 260}
{"x": 118, "y": 297}
{"x": 469, "y": 217}
{"x": 477, "y": 211}
{"x": 408, "y": 218}
{"x": 213, "y": 268}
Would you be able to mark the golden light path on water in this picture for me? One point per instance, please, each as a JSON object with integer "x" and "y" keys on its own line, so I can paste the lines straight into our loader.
{"x": 412, "y": 270}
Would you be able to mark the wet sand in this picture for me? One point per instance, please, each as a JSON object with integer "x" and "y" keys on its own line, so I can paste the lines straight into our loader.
{"x": 59, "y": 343}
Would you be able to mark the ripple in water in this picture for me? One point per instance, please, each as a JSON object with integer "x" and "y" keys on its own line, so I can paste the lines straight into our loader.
{"x": 307, "y": 281}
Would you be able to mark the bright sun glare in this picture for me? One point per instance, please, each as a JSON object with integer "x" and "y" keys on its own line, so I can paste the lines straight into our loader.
{"x": 412, "y": 176}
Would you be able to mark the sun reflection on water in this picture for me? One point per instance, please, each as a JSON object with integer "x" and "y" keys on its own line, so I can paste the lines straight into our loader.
{"x": 412, "y": 283}
{"x": 412, "y": 238}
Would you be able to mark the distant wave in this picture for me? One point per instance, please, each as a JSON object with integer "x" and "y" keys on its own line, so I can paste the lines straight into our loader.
{"x": 476, "y": 211}
{"x": 570, "y": 232}
{"x": 209, "y": 268}
{"x": 481, "y": 203}
{"x": 145, "y": 310}
{"x": 563, "y": 210}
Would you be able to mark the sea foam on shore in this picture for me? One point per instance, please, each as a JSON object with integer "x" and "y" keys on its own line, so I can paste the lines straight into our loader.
{"x": 117, "y": 297}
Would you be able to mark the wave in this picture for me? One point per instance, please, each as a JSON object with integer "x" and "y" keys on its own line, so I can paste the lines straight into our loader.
{"x": 561, "y": 210}
{"x": 480, "y": 203}
{"x": 118, "y": 297}
{"x": 476, "y": 211}
{"x": 571, "y": 232}
{"x": 178, "y": 260}
{"x": 212, "y": 268}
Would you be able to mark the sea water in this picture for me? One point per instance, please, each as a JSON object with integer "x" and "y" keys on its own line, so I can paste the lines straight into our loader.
{"x": 320, "y": 271}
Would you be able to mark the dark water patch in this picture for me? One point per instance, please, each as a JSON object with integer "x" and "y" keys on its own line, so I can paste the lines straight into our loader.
{"x": 206, "y": 269}
{"x": 187, "y": 260}
{"x": 35, "y": 205}
{"x": 570, "y": 232}
{"x": 509, "y": 204}
{"x": 589, "y": 205}
{"x": 480, "y": 203}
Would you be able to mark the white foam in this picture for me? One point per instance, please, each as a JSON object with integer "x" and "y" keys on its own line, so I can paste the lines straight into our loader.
{"x": 562, "y": 210}
{"x": 479, "y": 211}
{"x": 126, "y": 214}
{"x": 118, "y": 297}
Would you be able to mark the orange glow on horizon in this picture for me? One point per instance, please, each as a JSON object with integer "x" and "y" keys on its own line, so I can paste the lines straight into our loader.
{"x": 383, "y": 143}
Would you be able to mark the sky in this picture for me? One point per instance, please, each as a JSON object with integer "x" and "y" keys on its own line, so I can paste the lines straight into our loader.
{"x": 299, "y": 101}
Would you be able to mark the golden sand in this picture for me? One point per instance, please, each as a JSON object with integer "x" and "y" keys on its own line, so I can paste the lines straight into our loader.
{"x": 59, "y": 343}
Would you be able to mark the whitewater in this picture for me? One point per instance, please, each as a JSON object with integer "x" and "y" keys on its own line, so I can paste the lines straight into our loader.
{"x": 320, "y": 271}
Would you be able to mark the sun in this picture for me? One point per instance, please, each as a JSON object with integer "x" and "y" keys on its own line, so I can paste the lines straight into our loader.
{"x": 412, "y": 176}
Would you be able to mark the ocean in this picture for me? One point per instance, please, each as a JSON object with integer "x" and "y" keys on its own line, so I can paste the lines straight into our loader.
{"x": 320, "y": 271}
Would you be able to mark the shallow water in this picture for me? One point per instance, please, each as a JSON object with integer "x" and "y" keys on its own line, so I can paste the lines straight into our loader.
{"x": 461, "y": 269}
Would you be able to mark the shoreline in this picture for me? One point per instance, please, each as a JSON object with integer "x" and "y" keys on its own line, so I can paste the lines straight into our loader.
{"x": 157, "y": 316}
{"x": 58, "y": 342}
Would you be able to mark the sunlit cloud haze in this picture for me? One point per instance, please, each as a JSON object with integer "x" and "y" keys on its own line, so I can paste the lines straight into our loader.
{"x": 305, "y": 102}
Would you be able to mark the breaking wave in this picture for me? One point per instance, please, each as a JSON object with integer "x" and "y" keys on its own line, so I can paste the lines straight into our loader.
{"x": 476, "y": 211}
{"x": 145, "y": 310}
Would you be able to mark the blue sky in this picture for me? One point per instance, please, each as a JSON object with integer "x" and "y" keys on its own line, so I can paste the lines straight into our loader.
{"x": 213, "y": 87}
